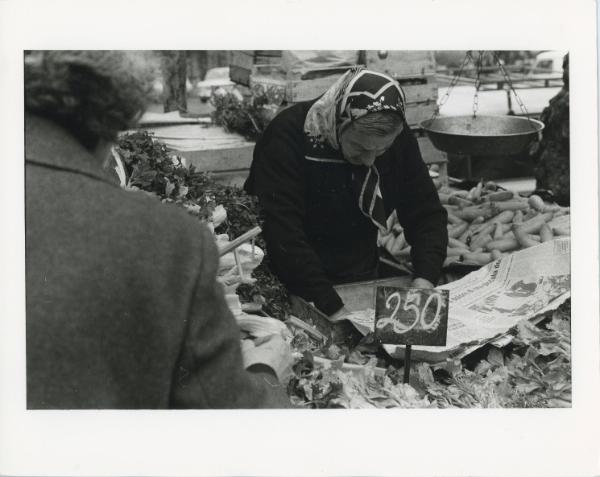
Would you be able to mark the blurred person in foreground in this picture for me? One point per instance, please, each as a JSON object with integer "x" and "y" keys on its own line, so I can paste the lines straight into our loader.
{"x": 123, "y": 307}
{"x": 328, "y": 173}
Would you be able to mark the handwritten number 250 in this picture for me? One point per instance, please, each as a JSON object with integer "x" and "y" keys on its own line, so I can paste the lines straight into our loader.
{"x": 419, "y": 315}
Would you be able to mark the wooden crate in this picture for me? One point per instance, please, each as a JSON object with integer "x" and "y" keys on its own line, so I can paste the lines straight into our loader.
{"x": 426, "y": 89}
{"x": 414, "y": 70}
{"x": 245, "y": 63}
{"x": 264, "y": 57}
{"x": 242, "y": 59}
{"x": 402, "y": 64}
{"x": 239, "y": 75}
{"x": 305, "y": 90}
{"x": 417, "y": 112}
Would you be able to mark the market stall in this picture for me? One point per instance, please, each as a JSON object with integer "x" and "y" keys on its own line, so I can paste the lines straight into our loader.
{"x": 507, "y": 272}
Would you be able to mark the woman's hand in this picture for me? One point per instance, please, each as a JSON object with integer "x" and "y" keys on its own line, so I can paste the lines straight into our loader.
{"x": 421, "y": 283}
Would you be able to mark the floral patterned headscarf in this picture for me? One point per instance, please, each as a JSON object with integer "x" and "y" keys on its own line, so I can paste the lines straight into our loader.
{"x": 355, "y": 94}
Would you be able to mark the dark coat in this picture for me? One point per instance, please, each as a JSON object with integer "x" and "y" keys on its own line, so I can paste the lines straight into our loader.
{"x": 316, "y": 234}
{"x": 123, "y": 309}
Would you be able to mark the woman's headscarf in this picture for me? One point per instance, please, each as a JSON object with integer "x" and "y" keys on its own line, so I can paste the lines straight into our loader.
{"x": 357, "y": 93}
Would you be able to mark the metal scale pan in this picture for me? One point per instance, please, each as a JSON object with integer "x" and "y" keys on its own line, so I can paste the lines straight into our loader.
{"x": 482, "y": 135}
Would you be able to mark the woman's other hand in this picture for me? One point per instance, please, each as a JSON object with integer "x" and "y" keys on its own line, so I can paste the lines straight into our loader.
{"x": 421, "y": 283}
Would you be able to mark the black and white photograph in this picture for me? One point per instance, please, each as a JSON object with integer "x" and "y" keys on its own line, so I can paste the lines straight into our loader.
{"x": 280, "y": 249}
{"x": 207, "y": 229}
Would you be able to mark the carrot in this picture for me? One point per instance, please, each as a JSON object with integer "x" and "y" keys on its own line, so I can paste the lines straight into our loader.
{"x": 480, "y": 241}
{"x": 561, "y": 231}
{"x": 471, "y": 213}
{"x": 536, "y": 202}
{"x": 551, "y": 208}
{"x": 470, "y": 194}
{"x": 504, "y": 217}
{"x": 499, "y": 196}
{"x": 518, "y": 217}
{"x": 455, "y": 243}
{"x": 496, "y": 254}
{"x": 455, "y": 200}
{"x": 443, "y": 197}
{"x": 454, "y": 251}
{"x": 490, "y": 185}
{"x": 490, "y": 226}
{"x": 534, "y": 224}
{"x": 509, "y": 205}
{"x": 453, "y": 219}
{"x": 477, "y": 192}
{"x": 498, "y": 231}
{"x": 449, "y": 261}
{"x": 546, "y": 233}
{"x": 457, "y": 230}
{"x": 460, "y": 193}
{"x": 477, "y": 258}
{"x": 522, "y": 237}
{"x": 562, "y": 211}
{"x": 465, "y": 237}
{"x": 505, "y": 244}
{"x": 484, "y": 228}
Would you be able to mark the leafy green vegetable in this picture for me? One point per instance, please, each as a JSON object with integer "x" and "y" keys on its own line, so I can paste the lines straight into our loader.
{"x": 248, "y": 116}
{"x": 153, "y": 168}
{"x": 535, "y": 371}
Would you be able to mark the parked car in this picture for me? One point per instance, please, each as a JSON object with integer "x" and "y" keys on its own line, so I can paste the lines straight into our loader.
{"x": 548, "y": 64}
{"x": 216, "y": 81}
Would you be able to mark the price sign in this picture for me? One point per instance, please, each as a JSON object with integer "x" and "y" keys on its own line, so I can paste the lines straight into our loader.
{"x": 411, "y": 316}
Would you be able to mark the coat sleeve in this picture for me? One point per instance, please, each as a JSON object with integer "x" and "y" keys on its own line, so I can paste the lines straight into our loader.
{"x": 278, "y": 181}
{"x": 209, "y": 372}
{"x": 420, "y": 212}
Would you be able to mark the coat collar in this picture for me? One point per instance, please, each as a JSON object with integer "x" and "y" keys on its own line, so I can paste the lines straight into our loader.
{"x": 49, "y": 144}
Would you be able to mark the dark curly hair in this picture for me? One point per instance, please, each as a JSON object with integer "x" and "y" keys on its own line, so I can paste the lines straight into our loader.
{"x": 93, "y": 94}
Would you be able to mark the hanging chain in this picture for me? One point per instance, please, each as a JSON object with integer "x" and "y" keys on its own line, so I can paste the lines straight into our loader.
{"x": 478, "y": 66}
{"x": 511, "y": 86}
{"x": 451, "y": 86}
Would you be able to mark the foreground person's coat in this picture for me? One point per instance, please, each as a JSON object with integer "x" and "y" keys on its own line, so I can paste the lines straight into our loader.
{"x": 123, "y": 310}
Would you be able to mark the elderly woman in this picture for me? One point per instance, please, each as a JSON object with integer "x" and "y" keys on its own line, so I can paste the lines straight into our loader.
{"x": 328, "y": 173}
{"x": 123, "y": 307}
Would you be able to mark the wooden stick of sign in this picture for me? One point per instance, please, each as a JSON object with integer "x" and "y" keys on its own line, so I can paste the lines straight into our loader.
{"x": 407, "y": 351}
{"x": 235, "y": 243}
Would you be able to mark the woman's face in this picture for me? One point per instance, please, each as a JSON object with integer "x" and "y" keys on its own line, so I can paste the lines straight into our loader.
{"x": 362, "y": 148}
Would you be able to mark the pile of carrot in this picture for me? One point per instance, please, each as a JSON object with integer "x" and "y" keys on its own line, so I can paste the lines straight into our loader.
{"x": 486, "y": 223}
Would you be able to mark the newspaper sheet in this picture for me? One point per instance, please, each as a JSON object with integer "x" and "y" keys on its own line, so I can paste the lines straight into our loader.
{"x": 487, "y": 303}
